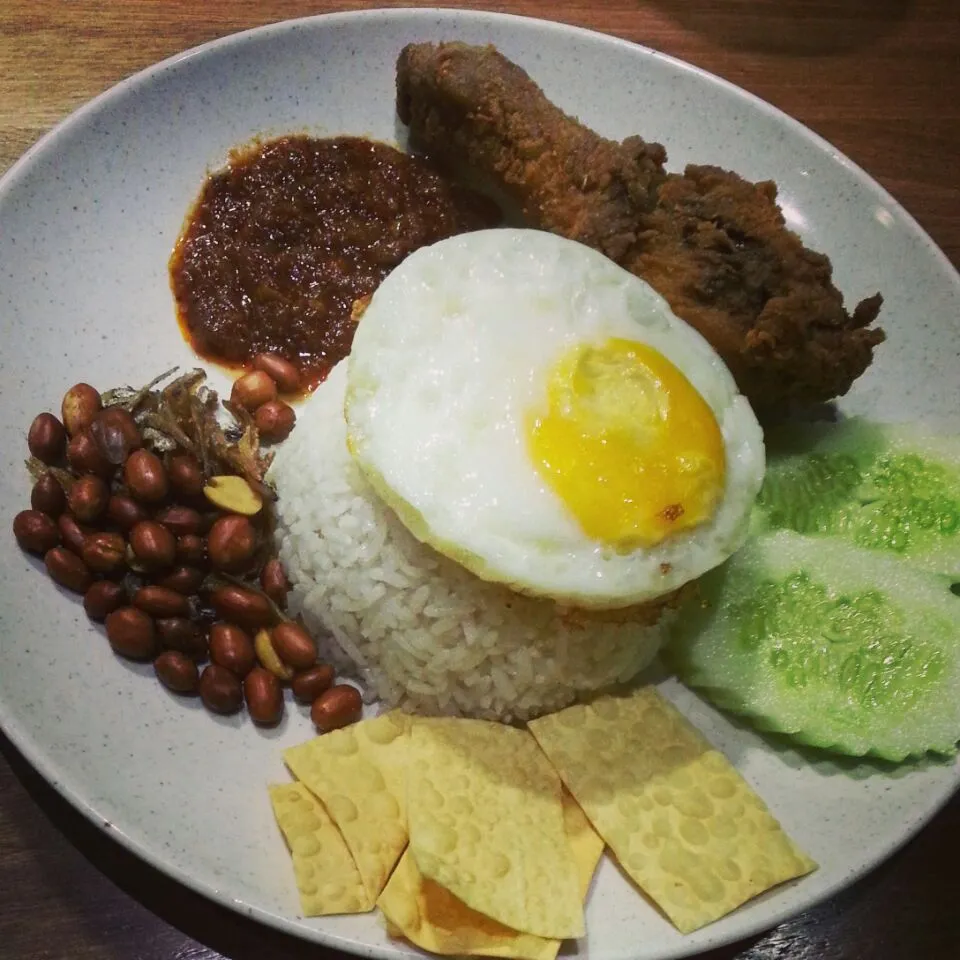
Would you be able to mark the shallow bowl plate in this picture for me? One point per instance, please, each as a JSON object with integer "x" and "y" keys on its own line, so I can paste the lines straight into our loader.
{"x": 87, "y": 221}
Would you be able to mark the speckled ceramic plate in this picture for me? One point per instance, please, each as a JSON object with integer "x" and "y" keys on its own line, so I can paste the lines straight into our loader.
{"x": 87, "y": 221}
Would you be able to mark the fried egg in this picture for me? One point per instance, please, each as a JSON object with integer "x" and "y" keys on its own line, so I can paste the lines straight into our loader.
{"x": 541, "y": 416}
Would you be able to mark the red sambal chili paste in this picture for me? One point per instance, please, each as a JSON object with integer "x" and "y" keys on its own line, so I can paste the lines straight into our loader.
{"x": 282, "y": 242}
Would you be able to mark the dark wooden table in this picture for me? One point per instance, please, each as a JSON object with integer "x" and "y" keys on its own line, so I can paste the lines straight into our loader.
{"x": 878, "y": 78}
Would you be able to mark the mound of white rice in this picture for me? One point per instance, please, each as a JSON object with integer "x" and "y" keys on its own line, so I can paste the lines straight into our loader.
{"x": 417, "y": 629}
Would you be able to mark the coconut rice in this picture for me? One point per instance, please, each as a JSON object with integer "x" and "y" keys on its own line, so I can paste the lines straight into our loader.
{"x": 418, "y": 630}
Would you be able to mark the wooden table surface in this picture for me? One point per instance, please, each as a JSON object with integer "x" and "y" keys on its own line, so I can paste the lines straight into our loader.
{"x": 878, "y": 78}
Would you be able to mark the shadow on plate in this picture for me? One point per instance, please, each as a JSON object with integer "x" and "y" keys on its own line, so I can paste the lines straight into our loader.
{"x": 799, "y": 28}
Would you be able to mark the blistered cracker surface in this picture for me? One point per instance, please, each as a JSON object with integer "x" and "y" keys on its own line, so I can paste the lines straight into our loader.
{"x": 486, "y": 823}
{"x": 434, "y": 919}
{"x": 585, "y": 843}
{"x": 680, "y": 819}
{"x": 358, "y": 773}
{"x": 327, "y": 877}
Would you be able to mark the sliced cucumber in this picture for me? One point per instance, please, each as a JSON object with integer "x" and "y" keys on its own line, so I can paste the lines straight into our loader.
{"x": 890, "y": 488}
{"x": 840, "y": 648}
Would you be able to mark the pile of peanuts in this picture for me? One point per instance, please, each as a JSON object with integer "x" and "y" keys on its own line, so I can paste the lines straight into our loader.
{"x": 257, "y": 392}
{"x": 178, "y": 566}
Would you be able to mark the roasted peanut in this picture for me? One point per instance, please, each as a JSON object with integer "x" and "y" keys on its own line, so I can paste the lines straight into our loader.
{"x": 264, "y": 697}
{"x": 67, "y": 569}
{"x": 125, "y": 512}
{"x": 145, "y": 476}
{"x": 104, "y": 552}
{"x": 183, "y": 634}
{"x": 81, "y": 403}
{"x": 233, "y": 494}
{"x": 185, "y": 474}
{"x": 220, "y": 690}
{"x": 131, "y": 633}
{"x": 153, "y": 544}
{"x": 177, "y": 672}
{"x": 231, "y": 543}
{"x": 35, "y": 532}
{"x": 253, "y": 390}
{"x": 337, "y": 707}
{"x": 237, "y": 605}
{"x": 232, "y": 648}
{"x": 274, "y": 583}
{"x": 294, "y": 645}
{"x": 47, "y": 438}
{"x": 161, "y": 602}
{"x": 116, "y": 434}
{"x": 185, "y": 580}
{"x": 192, "y": 550}
{"x": 280, "y": 370}
{"x": 102, "y": 598}
{"x": 72, "y": 533}
{"x": 274, "y": 421}
{"x": 88, "y": 498}
{"x": 84, "y": 456}
{"x": 47, "y": 496}
{"x": 180, "y": 521}
{"x": 308, "y": 684}
{"x": 268, "y": 656}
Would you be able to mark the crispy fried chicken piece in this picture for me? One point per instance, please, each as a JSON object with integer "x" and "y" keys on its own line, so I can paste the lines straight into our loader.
{"x": 476, "y": 112}
{"x": 714, "y": 245}
{"x": 717, "y": 248}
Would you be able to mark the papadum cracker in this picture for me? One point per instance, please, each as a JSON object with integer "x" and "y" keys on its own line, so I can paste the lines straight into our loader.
{"x": 585, "y": 843}
{"x": 434, "y": 919}
{"x": 680, "y": 819}
{"x": 327, "y": 877}
{"x": 359, "y": 775}
{"x": 486, "y": 823}
{"x": 431, "y": 917}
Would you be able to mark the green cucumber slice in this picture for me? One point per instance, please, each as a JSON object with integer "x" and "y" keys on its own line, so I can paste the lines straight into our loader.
{"x": 840, "y": 648}
{"x": 890, "y": 488}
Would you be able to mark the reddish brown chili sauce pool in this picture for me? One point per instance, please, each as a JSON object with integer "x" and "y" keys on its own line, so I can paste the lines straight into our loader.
{"x": 281, "y": 243}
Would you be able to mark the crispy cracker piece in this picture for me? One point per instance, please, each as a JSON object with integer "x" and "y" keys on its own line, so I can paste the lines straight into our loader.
{"x": 486, "y": 823}
{"x": 680, "y": 819}
{"x": 586, "y": 844}
{"x": 327, "y": 877}
{"x": 434, "y": 919}
{"x": 358, "y": 773}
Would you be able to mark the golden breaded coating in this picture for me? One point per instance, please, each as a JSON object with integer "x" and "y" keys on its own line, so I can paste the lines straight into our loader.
{"x": 717, "y": 248}
{"x": 473, "y": 110}
{"x": 713, "y": 244}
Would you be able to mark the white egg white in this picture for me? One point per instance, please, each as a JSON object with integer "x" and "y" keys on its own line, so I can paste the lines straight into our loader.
{"x": 452, "y": 353}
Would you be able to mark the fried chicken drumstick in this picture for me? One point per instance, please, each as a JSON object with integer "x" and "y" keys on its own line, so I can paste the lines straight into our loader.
{"x": 714, "y": 245}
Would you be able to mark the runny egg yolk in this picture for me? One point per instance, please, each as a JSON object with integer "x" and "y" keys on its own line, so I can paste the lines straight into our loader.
{"x": 628, "y": 444}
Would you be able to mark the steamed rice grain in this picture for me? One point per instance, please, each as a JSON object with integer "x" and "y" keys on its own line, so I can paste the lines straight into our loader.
{"x": 419, "y": 630}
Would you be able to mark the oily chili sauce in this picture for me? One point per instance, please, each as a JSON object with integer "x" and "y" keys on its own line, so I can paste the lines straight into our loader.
{"x": 282, "y": 242}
